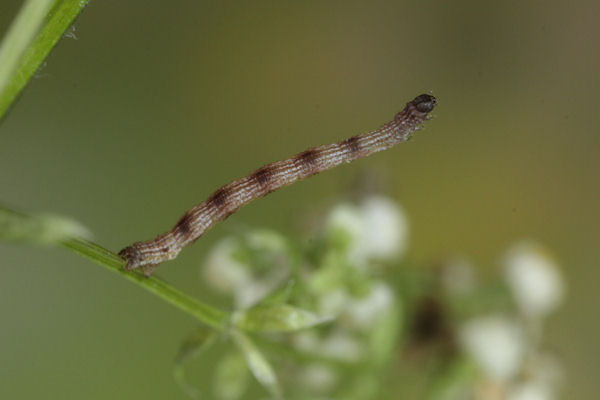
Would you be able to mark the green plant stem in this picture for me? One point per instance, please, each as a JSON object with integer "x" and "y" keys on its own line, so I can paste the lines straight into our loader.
{"x": 206, "y": 314}
{"x": 35, "y": 31}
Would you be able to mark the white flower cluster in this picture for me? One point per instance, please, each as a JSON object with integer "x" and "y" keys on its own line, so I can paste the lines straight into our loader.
{"x": 506, "y": 348}
{"x": 237, "y": 276}
{"x": 375, "y": 229}
{"x": 337, "y": 278}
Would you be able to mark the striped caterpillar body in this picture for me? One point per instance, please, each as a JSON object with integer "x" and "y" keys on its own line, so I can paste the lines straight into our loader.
{"x": 229, "y": 198}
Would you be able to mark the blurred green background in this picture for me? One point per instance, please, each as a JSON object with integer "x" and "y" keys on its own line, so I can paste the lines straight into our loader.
{"x": 157, "y": 104}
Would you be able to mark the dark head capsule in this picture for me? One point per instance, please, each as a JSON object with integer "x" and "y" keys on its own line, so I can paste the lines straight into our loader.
{"x": 424, "y": 103}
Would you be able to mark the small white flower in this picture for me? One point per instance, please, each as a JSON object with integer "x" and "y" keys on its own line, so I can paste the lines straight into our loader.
{"x": 534, "y": 279}
{"x": 363, "y": 312}
{"x": 385, "y": 232}
{"x": 346, "y": 218}
{"x": 342, "y": 346}
{"x": 497, "y": 344}
{"x": 358, "y": 312}
{"x": 338, "y": 344}
{"x": 222, "y": 270}
{"x": 251, "y": 293}
{"x": 378, "y": 228}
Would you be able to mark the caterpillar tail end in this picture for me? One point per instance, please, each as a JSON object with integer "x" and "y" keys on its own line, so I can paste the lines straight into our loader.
{"x": 133, "y": 259}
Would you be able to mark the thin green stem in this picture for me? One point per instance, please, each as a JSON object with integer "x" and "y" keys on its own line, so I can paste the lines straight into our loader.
{"x": 35, "y": 31}
{"x": 54, "y": 230}
{"x": 20, "y": 34}
{"x": 206, "y": 314}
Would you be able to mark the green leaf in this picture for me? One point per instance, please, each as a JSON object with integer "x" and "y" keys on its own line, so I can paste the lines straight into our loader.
{"x": 215, "y": 318}
{"x": 280, "y": 295}
{"x": 194, "y": 345}
{"x": 40, "y": 229}
{"x": 257, "y": 363}
{"x": 231, "y": 377}
{"x": 203, "y": 312}
{"x": 276, "y": 318}
{"x": 35, "y": 31}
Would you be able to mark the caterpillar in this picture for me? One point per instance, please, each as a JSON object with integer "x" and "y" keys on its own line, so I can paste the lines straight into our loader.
{"x": 231, "y": 197}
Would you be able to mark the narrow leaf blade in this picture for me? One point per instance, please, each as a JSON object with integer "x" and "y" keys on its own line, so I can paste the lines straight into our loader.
{"x": 193, "y": 346}
{"x": 276, "y": 318}
{"x": 257, "y": 363}
{"x": 29, "y": 40}
{"x": 40, "y": 229}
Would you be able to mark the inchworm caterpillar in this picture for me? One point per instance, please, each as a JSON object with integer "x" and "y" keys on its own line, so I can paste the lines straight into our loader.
{"x": 229, "y": 198}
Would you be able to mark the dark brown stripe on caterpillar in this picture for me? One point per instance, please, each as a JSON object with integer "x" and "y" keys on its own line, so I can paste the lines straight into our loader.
{"x": 219, "y": 198}
{"x": 238, "y": 193}
{"x": 353, "y": 145}
{"x": 184, "y": 225}
{"x": 262, "y": 176}
{"x": 308, "y": 160}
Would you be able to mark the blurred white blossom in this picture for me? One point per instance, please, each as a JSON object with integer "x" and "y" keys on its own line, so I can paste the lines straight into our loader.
{"x": 253, "y": 291}
{"x": 496, "y": 343}
{"x": 377, "y": 228}
{"x": 346, "y": 218}
{"x": 534, "y": 280}
{"x": 339, "y": 344}
{"x": 358, "y": 312}
{"x": 227, "y": 273}
{"x": 342, "y": 345}
{"x": 364, "y": 312}
{"x": 222, "y": 270}
{"x": 385, "y": 227}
